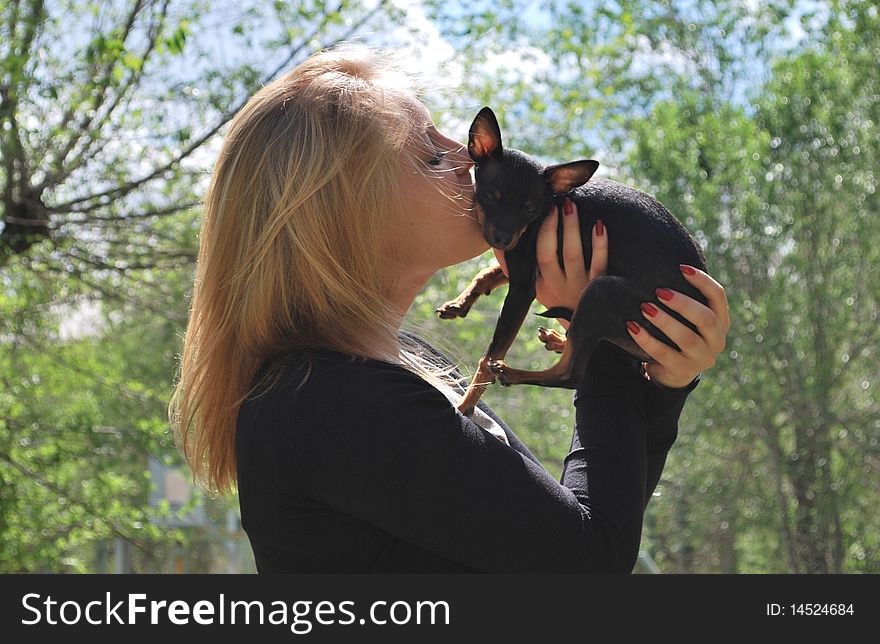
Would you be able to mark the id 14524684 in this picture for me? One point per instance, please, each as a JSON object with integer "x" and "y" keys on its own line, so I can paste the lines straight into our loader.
{"x": 808, "y": 610}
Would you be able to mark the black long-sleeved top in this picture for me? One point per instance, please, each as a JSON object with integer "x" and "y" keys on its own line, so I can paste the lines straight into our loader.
{"x": 367, "y": 468}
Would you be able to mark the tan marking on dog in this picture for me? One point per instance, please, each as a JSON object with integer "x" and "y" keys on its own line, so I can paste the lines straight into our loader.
{"x": 561, "y": 369}
{"x": 481, "y": 380}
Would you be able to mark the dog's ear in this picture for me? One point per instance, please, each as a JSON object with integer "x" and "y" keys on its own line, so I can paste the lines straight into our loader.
{"x": 568, "y": 176}
{"x": 484, "y": 139}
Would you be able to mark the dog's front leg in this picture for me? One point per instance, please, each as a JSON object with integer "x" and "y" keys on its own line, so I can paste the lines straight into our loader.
{"x": 516, "y": 306}
{"x": 484, "y": 283}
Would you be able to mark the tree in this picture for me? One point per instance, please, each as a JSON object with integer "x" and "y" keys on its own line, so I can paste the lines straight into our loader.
{"x": 109, "y": 112}
{"x": 784, "y": 194}
{"x": 101, "y": 134}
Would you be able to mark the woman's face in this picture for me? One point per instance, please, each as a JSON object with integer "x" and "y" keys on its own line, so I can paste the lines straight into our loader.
{"x": 438, "y": 227}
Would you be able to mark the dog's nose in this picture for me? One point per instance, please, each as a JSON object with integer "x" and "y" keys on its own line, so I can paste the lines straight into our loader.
{"x": 501, "y": 240}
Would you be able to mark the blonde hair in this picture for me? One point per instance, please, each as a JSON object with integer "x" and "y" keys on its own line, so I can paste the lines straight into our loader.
{"x": 293, "y": 216}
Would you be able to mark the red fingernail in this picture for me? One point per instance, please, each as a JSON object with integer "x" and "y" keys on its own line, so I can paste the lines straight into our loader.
{"x": 567, "y": 206}
{"x": 664, "y": 294}
{"x": 633, "y": 327}
{"x": 687, "y": 270}
{"x": 600, "y": 228}
{"x": 649, "y": 309}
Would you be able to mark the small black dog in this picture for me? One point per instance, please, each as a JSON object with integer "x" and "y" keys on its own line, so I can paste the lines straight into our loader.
{"x": 513, "y": 194}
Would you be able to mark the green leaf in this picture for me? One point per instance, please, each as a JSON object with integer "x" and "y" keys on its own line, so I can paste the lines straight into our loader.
{"x": 176, "y": 41}
{"x": 132, "y": 61}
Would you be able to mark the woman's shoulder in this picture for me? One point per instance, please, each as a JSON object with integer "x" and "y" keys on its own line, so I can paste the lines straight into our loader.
{"x": 295, "y": 368}
{"x": 324, "y": 378}
{"x": 326, "y": 396}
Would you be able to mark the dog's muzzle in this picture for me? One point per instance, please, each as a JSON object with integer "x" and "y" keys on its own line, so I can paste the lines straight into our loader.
{"x": 502, "y": 240}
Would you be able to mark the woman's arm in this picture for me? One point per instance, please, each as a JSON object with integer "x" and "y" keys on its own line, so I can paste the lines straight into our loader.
{"x": 663, "y": 407}
{"x": 389, "y": 449}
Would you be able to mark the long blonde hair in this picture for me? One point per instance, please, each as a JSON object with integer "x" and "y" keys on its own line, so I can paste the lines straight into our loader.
{"x": 293, "y": 217}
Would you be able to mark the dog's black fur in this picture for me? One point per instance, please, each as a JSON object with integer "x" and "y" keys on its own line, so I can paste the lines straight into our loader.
{"x": 513, "y": 194}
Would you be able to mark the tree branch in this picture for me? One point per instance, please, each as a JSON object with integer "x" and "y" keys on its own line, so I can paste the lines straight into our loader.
{"x": 60, "y": 169}
{"x": 114, "y": 296}
{"x": 161, "y": 212}
{"x": 103, "y": 264}
{"x": 75, "y": 205}
{"x": 79, "y": 130}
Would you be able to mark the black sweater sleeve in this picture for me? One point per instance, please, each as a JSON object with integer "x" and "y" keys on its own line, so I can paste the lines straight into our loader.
{"x": 663, "y": 407}
{"x": 394, "y": 452}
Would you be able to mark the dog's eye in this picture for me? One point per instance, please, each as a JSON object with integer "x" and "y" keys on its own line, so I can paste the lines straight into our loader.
{"x": 437, "y": 159}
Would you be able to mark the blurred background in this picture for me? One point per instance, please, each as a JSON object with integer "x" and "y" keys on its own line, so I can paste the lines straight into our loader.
{"x": 755, "y": 122}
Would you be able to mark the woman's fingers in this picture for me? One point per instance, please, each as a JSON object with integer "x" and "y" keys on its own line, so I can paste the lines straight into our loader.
{"x": 672, "y": 368}
{"x": 572, "y": 246}
{"x": 660, "y": 351}
{"x": 562, "y": 285}
{"x": 712, "y": 290}
{"x": 711, "y": 329}
{"x": 698, "y": 349}
{"x": 546, "y": 248}
{"x": 694, "y": 346}
{"x": 599, "y": 259}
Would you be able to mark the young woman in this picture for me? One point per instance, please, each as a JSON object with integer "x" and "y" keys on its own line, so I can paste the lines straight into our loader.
{"x": 332, "y": 203}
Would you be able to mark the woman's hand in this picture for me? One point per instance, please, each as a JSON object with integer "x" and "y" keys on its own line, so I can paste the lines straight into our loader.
{"x": 562, "y": 286}
{"x": 698, "y": 349}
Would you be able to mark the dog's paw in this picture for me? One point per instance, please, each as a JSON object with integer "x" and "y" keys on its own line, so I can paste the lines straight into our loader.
{"x": 498, "y": 369}
{"x": 453, "y": 309}
{"x": 552, "y": 340}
